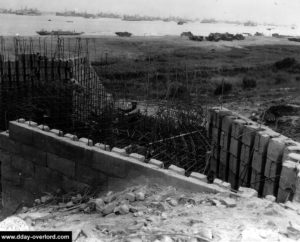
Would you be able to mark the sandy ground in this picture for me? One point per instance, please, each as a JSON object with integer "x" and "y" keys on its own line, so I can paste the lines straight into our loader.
{"x": 170, "y": 215}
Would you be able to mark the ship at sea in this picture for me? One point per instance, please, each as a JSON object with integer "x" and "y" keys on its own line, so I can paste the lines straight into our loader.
{"x": 58, "y": 32}
{"x": 28, "y": 11}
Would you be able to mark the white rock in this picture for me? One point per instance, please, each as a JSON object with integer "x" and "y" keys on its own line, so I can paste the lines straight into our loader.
{"x": 99, "y": 204}
{"x": 109, "y": 208}
{"x": 123, "y": 209}
{"x": 130, "y": 196}
{"x": 69, "y": 204}
{"x": 140, "y": 196}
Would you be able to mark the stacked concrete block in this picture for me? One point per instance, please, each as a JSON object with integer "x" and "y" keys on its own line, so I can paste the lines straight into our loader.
{"x": 289, "y": 186}
{"x": 273, "y": 165}
{"x": 218, "y": 136}
{"x": 247, "y": 151}
{"x": 225, "y": 146}
{"x": 235, "y": 151}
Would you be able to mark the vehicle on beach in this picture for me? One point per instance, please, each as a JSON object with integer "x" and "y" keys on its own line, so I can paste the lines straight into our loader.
{"x": 58, "y": 32}
{"x": 123, "y": 34}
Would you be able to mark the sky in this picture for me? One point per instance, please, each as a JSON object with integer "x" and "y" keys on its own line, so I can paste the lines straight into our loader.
{"x": 263, "y": 11}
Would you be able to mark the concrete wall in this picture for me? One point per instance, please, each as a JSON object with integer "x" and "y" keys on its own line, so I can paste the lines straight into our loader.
{"x": 35, "y": 160}
{"x": 245, "y": 153}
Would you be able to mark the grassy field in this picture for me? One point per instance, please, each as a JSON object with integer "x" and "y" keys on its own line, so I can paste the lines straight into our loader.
{"x": 242, "y": 75}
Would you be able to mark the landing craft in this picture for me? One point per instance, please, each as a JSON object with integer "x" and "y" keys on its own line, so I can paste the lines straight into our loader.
{"x": 58, "y": 32}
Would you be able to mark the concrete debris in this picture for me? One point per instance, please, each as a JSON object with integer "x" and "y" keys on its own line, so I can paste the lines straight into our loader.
{"x": 165, "y": 214}
{"x": 130, "y": 197}
{"x": 172, "y": 202}
{"x": 69, "y": 204}
{"x": 37, "y": 201}
{"x": 202, "y": 231}
{"x": 270, "y": 198}
{"x": 99, "y": 204}
{"x": 46, "y": 199}
{"x": 140, "y": 196}
{"x": 293, "y": 231}
{"x": 123, "y": 209}
{"x": 229, "y": 202}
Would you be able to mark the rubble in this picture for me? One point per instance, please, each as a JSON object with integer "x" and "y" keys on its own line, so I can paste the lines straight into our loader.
{"x": 164, "y": 214}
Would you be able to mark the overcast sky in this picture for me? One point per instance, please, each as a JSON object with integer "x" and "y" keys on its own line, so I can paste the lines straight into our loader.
{"x": 275, "y": 11}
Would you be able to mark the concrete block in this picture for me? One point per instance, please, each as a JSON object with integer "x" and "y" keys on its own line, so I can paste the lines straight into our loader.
{"x": 290, "y": 149}
{"x": 177, "y": 169}
{"x": 256, "y": 179}
{"x": 233, "y": 163}
{"x": 227, "y": 123}
{"x": 21, "y": 165}
{"x": 11, "y": 175}
{"x": 68, "y": 149}
{"x": 71, "y": 137}
{"x": 119, "y": 151}
{"x": 137, "y": 157}
{"x": 288, "y": 179}
{"x": 294, "y": 157}
{"x": 222, "y": 171}
{"x": 213, "y": 165}
{"x": 223, "y": 136}
{"x": 215, "y": 133}
{"x": 199, "y": 176}
{"x": 234, "y": 147}
{"x": 48, "y": 179}
{"x": 297, "y": 189}
{"x": 31, "y": 123}
{"x": 37, "y": 156}
{"x": 231, "y": 178}
{"x": 268, "y": 187}
{"x": 245, "y": 153}
{"x": 244, "y": 173}
{"x": 249, "y": 133}
{"x": 91, "y": 176}
{"x": 223, "y": 157}
{"x": 102, "y": 146}
{"x": 157, "y": 163}
{"x": 237, "y": 128}
{"x": 5, "y": 157}
{"x": 214, "y": 151}
{"x": 247, "y": 192}
{"x": 109, "y": 163}
{"x": 57, "y": 132}
{"x": 21, "y": 120}
{"x": 86, "y": 141}
{"x": 271, "y": 168}
{"x": 261, "y": 141}
{"x": 220, "y": 115}
{"x": 64, "y": 166}
{"x": 44, "y": 127}
{"x": 9, "y": 145}
{"x": 257, "y": 162}
{"x": 19, "y": 132}
{"x": 276, "y": 147}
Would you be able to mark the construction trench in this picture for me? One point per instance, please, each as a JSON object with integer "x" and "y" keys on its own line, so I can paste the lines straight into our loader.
{"x": 62, "y": 129}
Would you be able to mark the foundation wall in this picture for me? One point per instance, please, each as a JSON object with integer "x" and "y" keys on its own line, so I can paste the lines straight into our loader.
{"x": 36, "y": 160}
{"x": 245, "y": 153}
